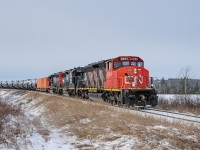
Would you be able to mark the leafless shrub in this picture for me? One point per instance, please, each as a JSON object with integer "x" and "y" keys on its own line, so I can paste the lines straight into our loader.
{"x": 181, "y": 103}
{"x": 8, "y": 133}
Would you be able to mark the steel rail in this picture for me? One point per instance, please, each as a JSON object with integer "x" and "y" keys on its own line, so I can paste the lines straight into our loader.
{"x": 174, "y": 117}
{"x": 162, "y": 110}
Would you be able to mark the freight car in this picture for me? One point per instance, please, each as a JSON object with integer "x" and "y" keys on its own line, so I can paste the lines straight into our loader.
{"x": 121, "y": 80}
{"x": 43, "y": 84}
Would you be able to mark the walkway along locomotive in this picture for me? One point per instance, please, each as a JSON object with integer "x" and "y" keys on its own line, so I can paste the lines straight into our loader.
{"x": 121, "y": 80}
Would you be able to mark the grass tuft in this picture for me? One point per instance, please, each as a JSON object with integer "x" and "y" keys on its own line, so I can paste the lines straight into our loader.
{"x": 181, "y": 104}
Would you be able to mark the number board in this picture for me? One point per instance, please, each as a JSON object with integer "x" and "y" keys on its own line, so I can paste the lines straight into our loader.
{"x": 135, "y": 59}
{"x": 124, "y": 58}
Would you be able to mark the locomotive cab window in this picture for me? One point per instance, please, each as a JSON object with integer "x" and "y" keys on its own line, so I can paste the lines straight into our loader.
{"x": 109, "y": 65}
{"x": 133, "y": 63}
{"x": 117, "y": 64}
{"x": 125, "y": 63}
{"x": 140, "y": 64}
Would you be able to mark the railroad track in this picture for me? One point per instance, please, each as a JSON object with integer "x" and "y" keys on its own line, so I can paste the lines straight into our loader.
{"x": 174, "y": 115}
{"x": 160, "y": 112}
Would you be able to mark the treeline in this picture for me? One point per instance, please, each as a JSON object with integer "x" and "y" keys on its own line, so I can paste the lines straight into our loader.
{"x": 178, "y": 86}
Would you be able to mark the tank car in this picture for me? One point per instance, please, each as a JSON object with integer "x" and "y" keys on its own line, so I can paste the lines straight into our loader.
{"x": 3, "y": 84}
{"x": 14, "y": 84}
{"x": 25, "y": 84}
{"x": 9, "y": 84}
{"x": 32, "y": 84}
{"x": 20, "y": 84}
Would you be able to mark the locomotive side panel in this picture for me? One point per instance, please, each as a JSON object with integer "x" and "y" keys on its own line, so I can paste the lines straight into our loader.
{"x": 94, "y": 78}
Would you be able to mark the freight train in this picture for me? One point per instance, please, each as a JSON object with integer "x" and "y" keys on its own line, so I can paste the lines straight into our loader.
{"x": 119, "y": 81}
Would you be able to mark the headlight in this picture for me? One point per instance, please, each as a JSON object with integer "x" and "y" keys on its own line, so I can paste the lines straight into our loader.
{"x": 135, "y": 71}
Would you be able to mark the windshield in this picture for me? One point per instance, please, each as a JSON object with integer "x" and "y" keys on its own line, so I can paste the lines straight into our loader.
{"x": 125, "y": 63}
{"x": 133, "y": 63}
{"x": 140, "y": 64}
{"x": 118, "y": 64}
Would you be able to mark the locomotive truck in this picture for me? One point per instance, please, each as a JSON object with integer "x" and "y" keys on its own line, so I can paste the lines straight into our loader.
{"x": 120, "y": 80}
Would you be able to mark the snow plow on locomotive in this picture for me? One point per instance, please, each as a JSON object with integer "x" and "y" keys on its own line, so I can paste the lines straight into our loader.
{"x": 118, "y": 81}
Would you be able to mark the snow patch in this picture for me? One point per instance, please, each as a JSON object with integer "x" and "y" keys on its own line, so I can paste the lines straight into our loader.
{"x": 159, "y": 127}
{"x": 85, "y": 121}
{"x": 191, "y": 138}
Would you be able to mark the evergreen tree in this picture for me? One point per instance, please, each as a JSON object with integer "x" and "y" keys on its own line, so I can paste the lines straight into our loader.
{"x": 163, "y": 86}
{"x": 196, "y": 88}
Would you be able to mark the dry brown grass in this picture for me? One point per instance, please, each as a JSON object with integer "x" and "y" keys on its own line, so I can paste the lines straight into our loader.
{"x": 99, "y": 122}
{"x": 180, "y": 104}
{"x": 8, "y": 132}
{"x": 95, "y": 121}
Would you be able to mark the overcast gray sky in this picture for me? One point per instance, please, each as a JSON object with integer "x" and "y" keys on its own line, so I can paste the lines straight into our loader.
{"x": 38, "y": 38}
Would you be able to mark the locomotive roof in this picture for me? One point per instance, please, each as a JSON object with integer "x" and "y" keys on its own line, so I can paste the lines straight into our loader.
{"x": 96, "y": 64}
{"x": 77, "y": 68}
{"x": 92, "y": 65}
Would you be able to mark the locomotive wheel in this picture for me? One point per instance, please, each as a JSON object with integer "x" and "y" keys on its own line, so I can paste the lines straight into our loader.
{"x": 83, "y": 96}
{"x": 109, "y": 100}
{"x": 118, "y": 100}
{"x": 112, "y": 101}
{"x": 119, "y": 103}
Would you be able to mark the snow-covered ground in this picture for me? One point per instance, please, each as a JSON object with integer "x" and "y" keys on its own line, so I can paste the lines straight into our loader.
{"x": 39, "y": 133}
{"x": 41, "y": 136}
{"x": 194, "y": 97}
{"x": 37, "y": 136}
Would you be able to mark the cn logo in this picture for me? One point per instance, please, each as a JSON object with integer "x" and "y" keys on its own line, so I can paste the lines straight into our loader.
{"x": 134, "y": 80}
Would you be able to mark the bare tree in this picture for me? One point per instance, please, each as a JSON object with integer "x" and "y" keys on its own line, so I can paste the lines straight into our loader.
{"x": 184, "y": 76}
